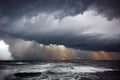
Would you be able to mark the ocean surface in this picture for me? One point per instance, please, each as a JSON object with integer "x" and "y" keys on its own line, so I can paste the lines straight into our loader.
{"x": 60, "y": 70}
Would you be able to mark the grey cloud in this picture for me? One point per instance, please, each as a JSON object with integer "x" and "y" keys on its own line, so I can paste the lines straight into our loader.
{"x": 18, "y": 8}
{"x": 45, "y": 28}
{"x": 81, "y": 25}
{"x": 109, "y": 9}
{"x": 31, "y": 50}
{"x": 15, "y": 9}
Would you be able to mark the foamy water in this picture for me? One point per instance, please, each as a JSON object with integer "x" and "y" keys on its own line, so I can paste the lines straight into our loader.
{"x": 63, "y": 67}
{"x": 84, "y": 69}
{"x": 52, "y": 71}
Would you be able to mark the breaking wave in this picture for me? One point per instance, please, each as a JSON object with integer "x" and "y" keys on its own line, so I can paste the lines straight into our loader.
{"x": 54, "y": 71}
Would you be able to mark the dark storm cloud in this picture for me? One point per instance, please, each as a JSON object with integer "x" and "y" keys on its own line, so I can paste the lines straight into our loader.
{"x": 19, "y": 8}
{"x": 30, "y": 50}
{"x": 83, "y": 42}
{"x": 110, "y": 9}
{"x": 36, "y": 20}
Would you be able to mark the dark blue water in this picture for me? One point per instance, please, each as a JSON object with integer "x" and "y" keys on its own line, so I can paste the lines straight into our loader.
{"x": 60, "y": 70}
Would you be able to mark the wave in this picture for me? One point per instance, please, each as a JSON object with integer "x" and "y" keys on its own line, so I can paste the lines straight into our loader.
{"x": 84, "y": 69}
{"x": 56, "y": 71}
{"x": 61, "y": 68}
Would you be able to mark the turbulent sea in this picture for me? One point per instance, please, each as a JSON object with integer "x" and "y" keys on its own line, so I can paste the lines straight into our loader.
{"x": 60, "y": 70}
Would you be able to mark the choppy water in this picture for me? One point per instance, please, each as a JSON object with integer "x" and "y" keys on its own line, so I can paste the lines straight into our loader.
{"x": 68, "y": 70}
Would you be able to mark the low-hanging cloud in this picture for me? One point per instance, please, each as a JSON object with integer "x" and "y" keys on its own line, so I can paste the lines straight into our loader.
{"x": 20, "y": 49}
{"x": 31, "y": 50}
{"x": 83, "y": 33}
{"x": 81, "y": 24}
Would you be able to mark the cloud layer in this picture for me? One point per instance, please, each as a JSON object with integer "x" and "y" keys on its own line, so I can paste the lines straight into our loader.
{"x": 20, "y": 49}
{"x": 31, "y": 50}
{"x": 87, "y": 25}
{"x": 19, "y": 8}
{"x": 83, "y": 32}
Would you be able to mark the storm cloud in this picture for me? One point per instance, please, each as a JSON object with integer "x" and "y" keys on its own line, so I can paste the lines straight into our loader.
{"x": 84, "y": 33}
{"x": 88, "y": 25}
{"x": 31, "y": 50}
{"x": 20, "y": 49}
{"x": 19, "y": 8}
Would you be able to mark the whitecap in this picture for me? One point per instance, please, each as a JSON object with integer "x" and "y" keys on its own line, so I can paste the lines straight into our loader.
{"x": 84, "y": 69}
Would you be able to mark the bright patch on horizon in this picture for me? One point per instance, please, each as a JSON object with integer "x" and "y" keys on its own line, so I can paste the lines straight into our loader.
{"x": 4, "y": 51}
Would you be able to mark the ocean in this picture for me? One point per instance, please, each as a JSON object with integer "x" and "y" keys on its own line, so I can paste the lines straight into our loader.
{"x": 60, "y": 70}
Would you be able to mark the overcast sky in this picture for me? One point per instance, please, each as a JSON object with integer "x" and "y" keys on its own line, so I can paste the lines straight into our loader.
{"x": 59, "y": 29}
